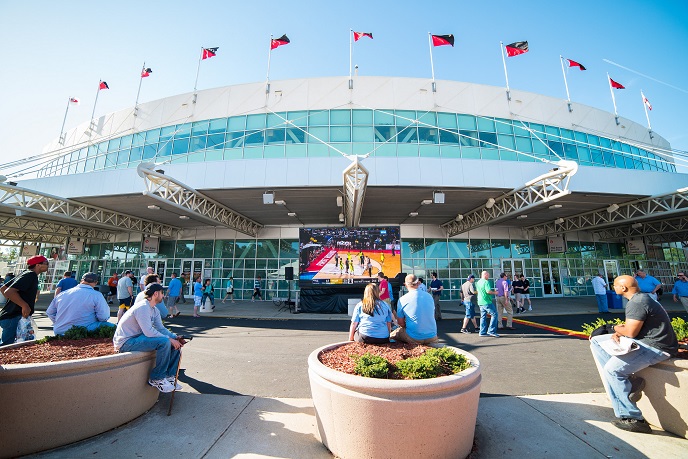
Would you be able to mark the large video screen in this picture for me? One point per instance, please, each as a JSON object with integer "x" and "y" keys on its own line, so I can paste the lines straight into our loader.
{"x": 330, "y": 257}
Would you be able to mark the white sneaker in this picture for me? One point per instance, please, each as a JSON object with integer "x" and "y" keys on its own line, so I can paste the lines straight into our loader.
{"x": 163, "y": 385}
{"x": 530, "y": 308}
{"x": 170, "y": 379}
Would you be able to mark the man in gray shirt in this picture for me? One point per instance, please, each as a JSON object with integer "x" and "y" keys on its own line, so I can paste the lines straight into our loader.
{"x": 141, "y": 329}
{"x": 80, "y": 306}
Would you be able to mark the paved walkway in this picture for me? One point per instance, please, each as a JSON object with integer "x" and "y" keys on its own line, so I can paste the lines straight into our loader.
{"x": 245, "y": 426}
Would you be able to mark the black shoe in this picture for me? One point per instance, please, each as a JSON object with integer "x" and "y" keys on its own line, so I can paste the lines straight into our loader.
{"x": 637, "y": 386}
{"x": 632, "y": 425}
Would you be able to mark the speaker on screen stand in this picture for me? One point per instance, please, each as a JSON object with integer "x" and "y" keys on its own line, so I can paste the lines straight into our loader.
{"x": 289, "y": 277}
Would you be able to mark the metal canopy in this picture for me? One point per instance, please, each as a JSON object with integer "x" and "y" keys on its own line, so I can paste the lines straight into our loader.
{"x": 666, "y": 228}
{"x": 355, "y": 182}
{"x": 27, "y": 202}
{"x": 41, "y": 229}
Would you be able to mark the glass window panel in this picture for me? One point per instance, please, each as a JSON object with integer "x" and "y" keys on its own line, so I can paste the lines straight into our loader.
{"x": 467, "y": 122}
{"x": 508, "y": 155}
{"x": 235, "y": 139}
{"x": 501, "y": 248}
{"x": 294, "y": 135}
{"x": 319, "y": 118}
{"x": 318, "y": 134}
{"x": 255, "y": 121}
{"x": 520, "y": 249}
{"x": 449, "y": 151}
{"x": 524, "y": 144}
{"x": 123, "y": 157}
{"x": 253, "y": 152}
{"x": 504, "y": 126}
{"x": 407, "y": 149}
{"x": 340, "y": 134}
{"x": 506, "y": 141}
{"x": 363, "y": 134}
{"x": 480, "y": 248}
{"x": 383, "y": 118}
{"x": 384, "y": 133}
{"x": 447, "y": 120}
{"x": 254, "y": 138}
{"x": 405, "y": 117}
{"x": 340, "y": 117}
{"x": 165, "y": 149}
{"x": 236, "y": 123}
{"x": 298, "y": 118}
{"x": 606, "y": 143}
{"x": 152, "y": 136}
{"x": 468, "y": 138}
{"x": 267, "y": 248}
{"x": 520, "y": 130}
{"x": 428, "y": 118}
{"x": 137, "y": 139}
{"x": 387, "y": 149}
{"x": 567, "y": 133}
{"x": 408, "y": 135}
{"x": 125, "y": 141}
{"x": 597, "y": 157}
{"x": 486, "y": 124}
{"x": 470, "y": 152}
{"x": 100, "y": 162}
{"x": 196, "y": 157}
{"x": 213, "y": 155}
{"x": 273, "y": 136}
{"x": 458, "y": 249}
{"x": 428, "y": 135}
{"x": 608, "y": 158}
{"x": 113, "y": 145}
{"x": 539, "y": 128}
{"x": 182, "y": 131}
{"x": 197, "y": 143}
{"x": 216, "y": 141}
{"x": 584, "y": 154}
{"x": 619, "y": 161}
{"x": 180, "y": 146}
{"x": 233, "y": 153}
{"x": 149, "y": 151}
{"x": 431, "y": 151}
{"x": 217, "y": 126}
{"x": 166, "y": 133}
{"x": 540, "y": 149}
{"x": 489, "y": 153}
{"x": 450, "y": 137}
{"x": 488, "y": 139}
{"x": 318, "y": 150}
{"x": 276, "y": 119}
{"x": 136, "y": 154}
{"x": 570, "y": 151}
{"x": 245, "y": 249}
{"x": 296, "y": 151}
{"x": 580, "y": 137}
{"x": 199, "y": 128}
{"x": 273, "y": 151}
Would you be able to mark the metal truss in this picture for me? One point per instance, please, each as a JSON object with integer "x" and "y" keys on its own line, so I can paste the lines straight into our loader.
{"x": 172, "y": 192}
{"x": 543, "y": 189}
{"x": 24, "y": 201}
{"x": 665, "y": 228}
{"x": 681, "y": 237}
{"x": 13, "y": 238}
{"x": 355, "y": 183}
{"x": 653, "y": 207}
{"x": 51, "y": 228}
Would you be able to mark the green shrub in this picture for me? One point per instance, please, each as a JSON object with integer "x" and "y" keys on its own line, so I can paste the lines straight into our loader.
{"x": 78, "y": 332}
{"x": 456, "y": 362}
{"x": 372, "y": 366}
{"x": 680, "y": 327}
{"x": 588, "y": 328}
{"x": 421, "y": 367}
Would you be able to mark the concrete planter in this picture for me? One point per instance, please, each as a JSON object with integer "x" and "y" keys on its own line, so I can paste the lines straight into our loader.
{"x": 57, "y": 403}
{"x": 378, "y": 418}
{"x": 665, "y": 397}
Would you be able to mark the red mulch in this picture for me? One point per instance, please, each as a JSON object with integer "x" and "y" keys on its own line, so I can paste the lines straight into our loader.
{"x": 342, "y": 357}
{"x": 57, "y": 351}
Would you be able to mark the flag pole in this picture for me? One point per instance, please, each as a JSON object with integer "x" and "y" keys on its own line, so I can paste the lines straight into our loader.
{"x": 198, "y": 70}
{"x": 267, "y": 78}
{"x": 69, "y": 100}
{"x": 432, "y": 65}
{"x": 647, "y": 115}
{"x": 568, "y": 97}
{"x": 611, "y": 90}
{"x": 93, "y": 114}
{"x": 351, "y": 58}
{"x": 506, "y": 74}
{"x": 136, "y": 105}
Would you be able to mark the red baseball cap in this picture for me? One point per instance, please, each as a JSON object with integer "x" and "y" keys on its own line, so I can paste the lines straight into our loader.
{"x": 36, "y": 260}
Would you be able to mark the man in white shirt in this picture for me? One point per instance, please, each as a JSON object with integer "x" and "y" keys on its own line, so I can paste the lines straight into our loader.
{"x": 142, "y": 280}
{"x": 599, "y": 285}
{"x": 141, "y": 329}
{"x": 80, "y": 306}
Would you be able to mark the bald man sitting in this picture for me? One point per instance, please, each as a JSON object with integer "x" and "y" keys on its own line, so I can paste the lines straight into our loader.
{"x": 649, "y": 326}
{"x": 416, "y": 316}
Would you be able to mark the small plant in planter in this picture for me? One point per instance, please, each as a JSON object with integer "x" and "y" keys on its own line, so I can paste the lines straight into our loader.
{"x": 433, "y": 363}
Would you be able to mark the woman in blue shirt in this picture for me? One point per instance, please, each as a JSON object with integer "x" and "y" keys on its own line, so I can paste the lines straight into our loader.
{"x": 371, "y": 321}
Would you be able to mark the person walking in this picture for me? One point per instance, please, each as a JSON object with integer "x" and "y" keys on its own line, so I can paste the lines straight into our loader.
{"x": 526, "y": 293}
{"x": 469, "y": 300}
{"x": 650, "y": 338}
{"x": 680, "y": 290}
{"x": 384, "y": 288}
{"x": 230, "y": 290}
{"x": 112, "y": 284}
{"x": 198, "y": 295}
{"x": 647, "y": 284}
{"x": 125, "y": 293}
{"x": 436, "y": 288}
{"x": 174, "y": 289}
{"x": 504, "y": 303}
{"x": 484, "y": 290}
{"x": 517, "y": 288}
{"x": 599, "y": 286}
{"x": 256, "y": 289}
{"x": 21, "y": 293}
{"x": 67, "y": 282}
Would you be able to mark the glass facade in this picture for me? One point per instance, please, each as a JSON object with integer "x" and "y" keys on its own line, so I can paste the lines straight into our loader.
{"x": 452, "y": 259}
{"x": 323, "y": 133}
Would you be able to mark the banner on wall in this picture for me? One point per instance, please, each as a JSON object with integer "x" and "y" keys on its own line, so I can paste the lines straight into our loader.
{"x": 150, "y": 245}
{"x": 635, "y": 246}
{"x": 29, "y": 250}
{"x": 75, "y": 248}
{"x": 556, "y": 244}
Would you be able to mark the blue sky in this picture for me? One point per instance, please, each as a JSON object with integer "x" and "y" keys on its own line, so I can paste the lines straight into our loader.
{"x": 52, "y": 50}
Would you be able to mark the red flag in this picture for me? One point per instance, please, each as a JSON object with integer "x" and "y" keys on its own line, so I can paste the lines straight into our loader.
{"x": 74, "y": 100}
{"x": 442, "y": 40}
{"x": 516, "y": 48}
{"x": 615, "y": 84}
{"x": 359, "y": 35}
{"x": 277, "y": 42}
{"x": 103, "y": 85}
{"x": 576, "y": 64}
{"x": 645, "y": 101}
{"x": 146, "y": 72}
{"x": 209, "y": 52}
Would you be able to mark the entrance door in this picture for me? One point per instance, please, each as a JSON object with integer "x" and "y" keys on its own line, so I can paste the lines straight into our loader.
{"x": 550, "y": 270}
{"x": 611, "y": 270}
{"x": 158, "y": 268}
{"x": 191, "y": 269}
{"x": 512, "y": 267}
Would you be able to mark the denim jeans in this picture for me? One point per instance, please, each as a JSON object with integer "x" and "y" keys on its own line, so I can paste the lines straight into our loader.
{"x": 9, "y": 330}
{"x": 208, "y": 295}
{"x": 617, "y": 369}
{"x": 484, "y": 310}
{"x": 166, "y": 358}
{"x": 602, "y": 303}
{"x": 163, "y": 310}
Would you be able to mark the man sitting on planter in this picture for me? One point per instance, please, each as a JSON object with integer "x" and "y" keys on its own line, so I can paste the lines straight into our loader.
{"x": 653, "y": 340}
{"x": 416, "y": 316}
{"x": 81, "y": 305}
{"x": 141, "y": 329}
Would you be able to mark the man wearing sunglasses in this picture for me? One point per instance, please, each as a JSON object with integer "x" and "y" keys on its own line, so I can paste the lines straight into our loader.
{"x": 680, "y": 290}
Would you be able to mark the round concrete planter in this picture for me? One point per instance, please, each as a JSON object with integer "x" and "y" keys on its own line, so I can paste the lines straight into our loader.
{"x": 53, "y": 404}
{"x": 665, "y": 397}
{"x": 379, "y": 418}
